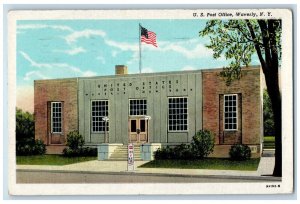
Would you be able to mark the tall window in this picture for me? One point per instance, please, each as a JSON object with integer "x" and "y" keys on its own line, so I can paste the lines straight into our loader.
{"x": 56, "y": 117}
{"x": 230, "y": 111}
{"x": 99, "y": 110}
{"x": 178, "y": 114}
{"x": 137, "y": 107}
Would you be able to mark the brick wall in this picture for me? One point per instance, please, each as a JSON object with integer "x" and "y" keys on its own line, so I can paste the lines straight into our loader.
{"x": 249, "y": 106}
{"x": 47, "y": 91}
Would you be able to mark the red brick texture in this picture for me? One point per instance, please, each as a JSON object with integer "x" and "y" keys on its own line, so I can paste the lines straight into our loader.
{"x": 47, "y": 91}
{"x": 249, "y": 108}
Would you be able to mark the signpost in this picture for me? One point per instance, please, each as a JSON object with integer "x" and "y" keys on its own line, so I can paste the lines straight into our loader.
{"x": 105, "y": 119}
{"x": 130, "y": 160}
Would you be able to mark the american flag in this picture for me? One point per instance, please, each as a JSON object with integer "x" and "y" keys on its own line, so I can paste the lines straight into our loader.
{"x": 148, "y": 37}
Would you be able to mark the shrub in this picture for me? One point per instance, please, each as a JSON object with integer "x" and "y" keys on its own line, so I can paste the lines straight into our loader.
{"x": 75, "y": 140}
{"x": 30, "y": 146}
{"x": 75, "y": 147}
{"x": 163, "y": 153}
{"x": 87, "y": 151}
{"x": 82, "y": 152}
{"x": 182, "y": 151}
{"x": 202, "y": 144}
{"x": 39, "y": 147}
{"x": 240, "y": 152}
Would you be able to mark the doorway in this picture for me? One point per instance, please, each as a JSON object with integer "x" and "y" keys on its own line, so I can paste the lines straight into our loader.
{"x": 138, "y": 128}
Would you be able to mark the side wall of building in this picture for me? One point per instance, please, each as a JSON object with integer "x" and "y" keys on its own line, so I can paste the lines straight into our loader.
{"x": 47, "y": 91}
{"x": 249, "y": 118}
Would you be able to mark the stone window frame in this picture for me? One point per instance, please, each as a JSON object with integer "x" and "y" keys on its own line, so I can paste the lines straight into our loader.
{"x": 98, "y": 122}
{"x": 143, "y": 111}
{"x": 54, "y": 109}
{"x": 231, "y": 112}
{"x": 184, "y": 122}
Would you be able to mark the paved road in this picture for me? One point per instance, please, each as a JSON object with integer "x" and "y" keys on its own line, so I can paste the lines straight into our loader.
{"x": 24, "y": 176}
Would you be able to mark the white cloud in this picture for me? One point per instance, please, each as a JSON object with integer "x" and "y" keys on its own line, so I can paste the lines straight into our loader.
{"x": 101, "y": 59}
{"x": 134, "y": 58}
{"x": 33, "y": 63}
{"x": 43, "y": 26}
{"x": 198, "y": 49}
{"x": 122, "y": 45}
{"x": 114, "y": 53}
{"x": 73, "y": 37}
{"x": 74, "y": 69}
{"x": 57, "y": 65}
{"x": 188, "y": 68}
{"x": 34, "y": 74}
{"x": 73, "y": 51}
{"x": 89, "y": 74}
{"x": 147, "y": 70}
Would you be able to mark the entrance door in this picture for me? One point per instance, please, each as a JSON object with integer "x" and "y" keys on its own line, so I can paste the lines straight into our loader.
{"x": 138, "y": 130}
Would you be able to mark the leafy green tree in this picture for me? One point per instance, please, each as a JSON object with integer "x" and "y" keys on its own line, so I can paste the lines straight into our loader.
{"x": 268, "y": 115}
{"x": 24, "y": 125}
{"x": 239, "y": 40}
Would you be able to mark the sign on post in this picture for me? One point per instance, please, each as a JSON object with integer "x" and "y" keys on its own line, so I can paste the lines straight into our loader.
{"x": 130, "y": 160}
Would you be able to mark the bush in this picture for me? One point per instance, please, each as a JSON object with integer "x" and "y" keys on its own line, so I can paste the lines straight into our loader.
{"x": 82, "y": 152}
{"x": 39, "y": 147}
{"x": 30, "y": 146}
{"x": 183, "y": 151}
{"x": 240, "y": 152}
{"x": 75, "y": 147}
{"x": 75, "y": 140}
{"x": 179, "y": 152}
{"x": 202, "y": 144}
{"x": 164, "y": 153}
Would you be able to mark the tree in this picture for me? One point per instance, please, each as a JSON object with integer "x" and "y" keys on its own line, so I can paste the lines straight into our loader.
{"x": 268, "y": 115}
{"x": 239, "y": 40}
{"x": 24, "y": 125}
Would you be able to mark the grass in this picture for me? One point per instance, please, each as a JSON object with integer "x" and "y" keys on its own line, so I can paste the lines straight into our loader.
{"x": 51, "y": 160}
{"x": 269, "y": 142}
{"x": 208, "y": 163}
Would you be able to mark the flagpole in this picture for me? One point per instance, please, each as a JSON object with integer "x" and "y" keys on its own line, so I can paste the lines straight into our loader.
{"x": 140, "y": 47}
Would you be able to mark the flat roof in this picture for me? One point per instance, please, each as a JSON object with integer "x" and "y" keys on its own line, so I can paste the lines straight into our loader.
{"x": 148, "y": 74}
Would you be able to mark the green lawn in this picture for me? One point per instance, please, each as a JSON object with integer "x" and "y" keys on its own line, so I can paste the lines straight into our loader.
{"x": 51, "y": 160}
{"x": 208, "y": 163}
{"x": 269, "y": 142}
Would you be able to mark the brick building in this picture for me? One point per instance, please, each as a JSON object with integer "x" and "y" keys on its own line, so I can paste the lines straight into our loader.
{"x": 153, "y": 109}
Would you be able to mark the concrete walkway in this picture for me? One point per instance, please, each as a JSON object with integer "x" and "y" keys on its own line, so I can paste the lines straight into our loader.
{"x": 265, "y": 168}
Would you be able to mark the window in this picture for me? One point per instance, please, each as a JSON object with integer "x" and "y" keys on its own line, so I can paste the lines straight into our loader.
{"x": 56, "y": 117}
{"x": 230, "y": 111}
{"x": 178, "y": 114}
{"x": 137, "y": 107}
{"x": 99, "y": 110}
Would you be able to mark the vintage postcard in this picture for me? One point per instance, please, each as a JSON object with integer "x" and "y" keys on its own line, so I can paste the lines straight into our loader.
{"x": 127, "y": 102}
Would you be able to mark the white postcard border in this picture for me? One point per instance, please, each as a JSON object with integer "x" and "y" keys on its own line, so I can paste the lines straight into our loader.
{"x": 154, "y": 189}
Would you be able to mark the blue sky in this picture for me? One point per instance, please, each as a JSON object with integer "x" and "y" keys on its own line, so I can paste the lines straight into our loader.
{"x": 75, "y": 48}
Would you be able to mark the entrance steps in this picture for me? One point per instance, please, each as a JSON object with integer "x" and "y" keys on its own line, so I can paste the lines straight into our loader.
{"x": 121, "y": 154}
